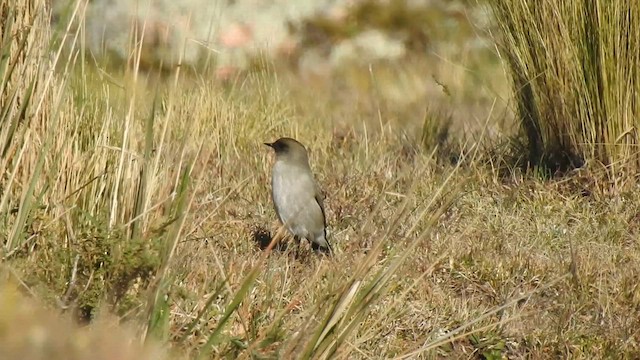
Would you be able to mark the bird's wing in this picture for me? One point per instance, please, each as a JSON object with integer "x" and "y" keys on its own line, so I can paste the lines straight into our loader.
{"x": 319, "y": 196}
{"x": 320, "y": 200}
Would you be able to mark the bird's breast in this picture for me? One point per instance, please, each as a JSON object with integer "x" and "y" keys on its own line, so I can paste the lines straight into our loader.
{"x": 293, "y": 189}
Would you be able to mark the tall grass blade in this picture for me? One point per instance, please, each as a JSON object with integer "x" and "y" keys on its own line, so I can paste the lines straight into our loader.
{"x": 158, "y": 291}
{"x": 17, "y": 234}
{"x": 142, "y": 192}
{"x": 215, "y": 337}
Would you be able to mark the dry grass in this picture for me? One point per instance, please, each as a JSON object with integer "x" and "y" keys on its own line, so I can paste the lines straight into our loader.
{"x": 147, "y": 205}
{"x": 574, "y": 66}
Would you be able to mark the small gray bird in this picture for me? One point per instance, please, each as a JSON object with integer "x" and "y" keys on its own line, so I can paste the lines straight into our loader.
{"x": 296, "y": 195}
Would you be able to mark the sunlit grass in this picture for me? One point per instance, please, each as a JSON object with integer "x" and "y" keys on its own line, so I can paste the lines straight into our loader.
{"x": 574, "y": 67}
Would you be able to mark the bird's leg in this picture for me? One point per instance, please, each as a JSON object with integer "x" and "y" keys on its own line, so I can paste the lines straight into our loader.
{"x": 299, "y": 244}
{"x": 320, "y": 249}
{"x": 315, "y": 247}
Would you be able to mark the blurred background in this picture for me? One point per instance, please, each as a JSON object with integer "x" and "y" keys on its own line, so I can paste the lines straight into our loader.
{"x": 414, "y": 58}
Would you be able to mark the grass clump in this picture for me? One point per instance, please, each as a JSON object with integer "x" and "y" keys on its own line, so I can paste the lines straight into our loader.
{"x": 574, "y": 67}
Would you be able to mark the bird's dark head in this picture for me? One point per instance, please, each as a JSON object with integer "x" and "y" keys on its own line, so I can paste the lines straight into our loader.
{"x": 288, "y": 148}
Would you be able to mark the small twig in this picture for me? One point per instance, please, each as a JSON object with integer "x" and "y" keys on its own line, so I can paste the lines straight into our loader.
{"x": 26, "y": 243}
{"x": 22, "y": 283}
{"x": 573, "y": 266}
{"x": 64, "y": 303}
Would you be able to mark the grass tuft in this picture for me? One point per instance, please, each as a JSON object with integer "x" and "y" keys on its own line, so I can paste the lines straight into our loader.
{"x": 574, "y": 71}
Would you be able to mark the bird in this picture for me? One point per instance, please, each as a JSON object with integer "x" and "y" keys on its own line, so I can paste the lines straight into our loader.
{"x": 298, "y": 200}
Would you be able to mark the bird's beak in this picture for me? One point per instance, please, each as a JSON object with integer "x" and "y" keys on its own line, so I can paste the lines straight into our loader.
{"x": 269, "y": 144}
